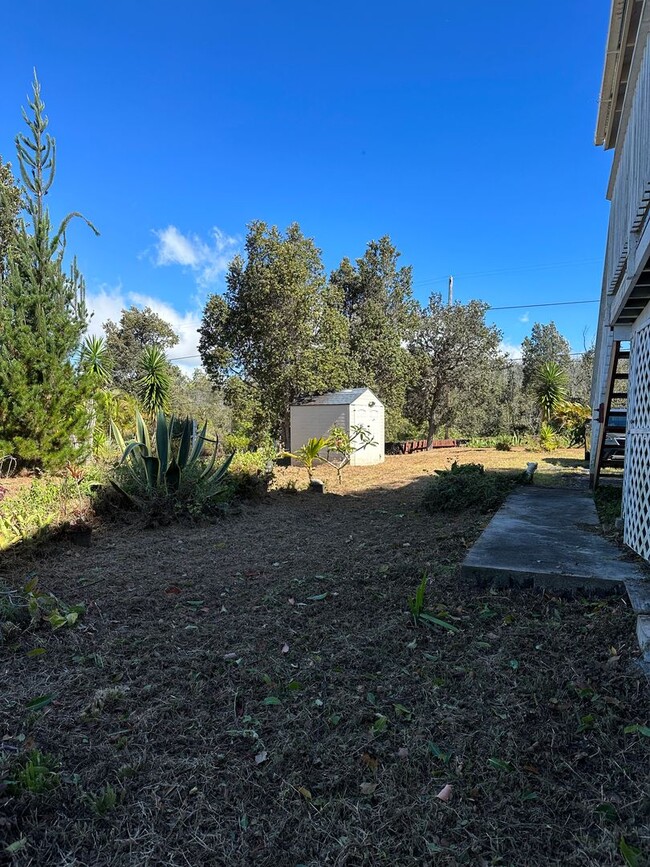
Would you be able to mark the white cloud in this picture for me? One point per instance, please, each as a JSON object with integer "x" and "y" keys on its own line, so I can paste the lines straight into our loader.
{"x": 107, "y": 303}
{"x": 512, "y": 350}
{"x": 208, "y": 260}
{"x": 525, "y": 317}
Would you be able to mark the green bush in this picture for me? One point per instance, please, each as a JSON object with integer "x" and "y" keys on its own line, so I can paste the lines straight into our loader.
{"x": 29, "y": 511}
{"x": 503, "y": 446}
{"x": 468, "y": 486}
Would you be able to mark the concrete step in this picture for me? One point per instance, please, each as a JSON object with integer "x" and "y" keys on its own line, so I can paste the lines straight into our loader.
{"x": 549, "y": 538}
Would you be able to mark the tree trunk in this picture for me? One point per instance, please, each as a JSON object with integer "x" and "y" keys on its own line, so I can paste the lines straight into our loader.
{"x": 431, "y": 430}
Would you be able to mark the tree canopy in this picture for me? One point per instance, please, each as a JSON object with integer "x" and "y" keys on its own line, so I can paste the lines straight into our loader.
{"x": 280, "y": 327}
{"x": 127, "y": 339}
{"x": 451, "y": 347}
{"x": 545, "y": 344}
{"x": 382, "y": 315}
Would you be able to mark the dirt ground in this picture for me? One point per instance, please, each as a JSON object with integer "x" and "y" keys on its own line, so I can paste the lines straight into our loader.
{"x": 255, "y": 692}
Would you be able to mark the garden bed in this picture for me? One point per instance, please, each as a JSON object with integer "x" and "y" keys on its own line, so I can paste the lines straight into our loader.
{"x": 255, "y": 692}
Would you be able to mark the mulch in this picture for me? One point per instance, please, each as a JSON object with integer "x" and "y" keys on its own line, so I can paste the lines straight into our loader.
{"x": 255, "y": 692}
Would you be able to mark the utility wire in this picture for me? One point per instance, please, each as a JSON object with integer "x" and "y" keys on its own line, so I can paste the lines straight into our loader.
{"x": 548, "y": 304}
{"x": 520, "y": 270}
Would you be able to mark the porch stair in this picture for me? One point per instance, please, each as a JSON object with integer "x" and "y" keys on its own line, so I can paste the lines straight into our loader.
{"x": 616, "y": 390}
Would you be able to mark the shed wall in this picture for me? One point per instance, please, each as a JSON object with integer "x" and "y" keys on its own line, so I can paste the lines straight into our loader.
{"x": 316, "y": 421}
{"x": 371, "y": 417}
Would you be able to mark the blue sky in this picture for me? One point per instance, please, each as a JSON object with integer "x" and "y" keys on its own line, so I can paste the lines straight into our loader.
{"x": 463, "y": 130}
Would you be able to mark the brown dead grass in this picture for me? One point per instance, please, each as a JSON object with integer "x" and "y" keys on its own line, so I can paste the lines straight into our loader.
{"x": 283, "y": 632}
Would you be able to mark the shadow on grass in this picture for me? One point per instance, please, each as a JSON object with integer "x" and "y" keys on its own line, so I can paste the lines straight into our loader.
{"x": 566, "y": 462}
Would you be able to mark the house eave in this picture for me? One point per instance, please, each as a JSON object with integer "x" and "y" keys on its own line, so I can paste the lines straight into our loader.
{"x": 621, "y": 37}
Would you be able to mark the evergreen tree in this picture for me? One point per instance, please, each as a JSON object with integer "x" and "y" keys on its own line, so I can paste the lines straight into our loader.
{"x": 279, "y": 328}
{"x": 127, "y": 339}
{"x": 42, "y": 318}
{"x": 379, "y": 306}
{"x": 544, "y": 344}
{"x": 451, "y": 349}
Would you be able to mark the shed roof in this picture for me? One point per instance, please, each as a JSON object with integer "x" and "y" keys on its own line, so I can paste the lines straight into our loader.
{"x": 334, "y": 398}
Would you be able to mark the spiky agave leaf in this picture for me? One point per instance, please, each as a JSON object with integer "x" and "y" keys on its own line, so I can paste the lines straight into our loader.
{"x": 185, "y": 443}
{"x": 162, "y": 444}
{"x": 142, "y": 430}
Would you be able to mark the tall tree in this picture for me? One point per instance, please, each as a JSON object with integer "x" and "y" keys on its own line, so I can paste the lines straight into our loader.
{"x": 42, "y": 318}
{"x": 379, "y": 306}
{"x": 127, "y": 339}
{"x": 451, "y": 349}
{"x": 279, "y": 327}
{"x": 10, "y": 205}
{"x": 544, "y": 344}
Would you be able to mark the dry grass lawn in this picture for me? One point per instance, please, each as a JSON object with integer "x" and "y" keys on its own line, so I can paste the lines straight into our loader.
{"x": 255, "y": 692}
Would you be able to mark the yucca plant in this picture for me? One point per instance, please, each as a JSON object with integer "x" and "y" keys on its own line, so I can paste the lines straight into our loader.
{"x": 154, "y": 384}
{"x": 551, "y": 383}
{"x": 159, "y": 469}
{"x": 95, "y": 360}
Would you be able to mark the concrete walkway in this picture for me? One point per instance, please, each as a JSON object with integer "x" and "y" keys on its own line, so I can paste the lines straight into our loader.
{"x": 550, "y": 538}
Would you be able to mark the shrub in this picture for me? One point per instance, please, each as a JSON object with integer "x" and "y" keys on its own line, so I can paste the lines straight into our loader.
{"x": 168, "y": 473}
{"x": 503, "y": 446}
{"x": 548, "y": 439}
{"x": 467, "y": 486}
{"x": 26, "y": 513}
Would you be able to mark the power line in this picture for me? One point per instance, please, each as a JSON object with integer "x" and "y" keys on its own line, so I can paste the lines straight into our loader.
{"x": 508, "y": 307}
{"x": 548, "y": 304}
{"x": 520, "y": 270}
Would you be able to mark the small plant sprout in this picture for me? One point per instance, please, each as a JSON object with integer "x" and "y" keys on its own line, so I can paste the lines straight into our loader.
{"x": 36, "y": 773}
{"x": 416, "y": 603}
{"x": 418, "y": 612}
{"x": 103, "y": 801}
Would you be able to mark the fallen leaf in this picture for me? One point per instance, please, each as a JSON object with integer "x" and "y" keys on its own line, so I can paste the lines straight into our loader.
{"x": 445, "y": 793}
{"x": 305, "y": 792}
{"x": 402, "y": 754}
{"x": 285, "y": 648}
{"x": 230, "y": 656}
{"x": 173, "y": 590}
{"x": 291, "y": 600}
{"x": 370, "y": 761}
{"x": 368, "y": 788}
{"x": 261, "y": 757}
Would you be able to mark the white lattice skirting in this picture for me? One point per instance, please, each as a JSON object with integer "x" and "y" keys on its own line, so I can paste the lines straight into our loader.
{"x": 636, "y": 484}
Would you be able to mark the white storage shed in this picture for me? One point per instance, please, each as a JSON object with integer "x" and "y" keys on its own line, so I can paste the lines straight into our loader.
{"x": 316, "y": 416}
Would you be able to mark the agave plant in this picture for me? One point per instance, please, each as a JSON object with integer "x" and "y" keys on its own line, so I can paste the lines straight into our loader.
{"x": 159, "y": 471}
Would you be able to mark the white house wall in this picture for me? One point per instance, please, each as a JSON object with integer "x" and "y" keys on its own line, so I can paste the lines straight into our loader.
{"x": 630, "y": 188}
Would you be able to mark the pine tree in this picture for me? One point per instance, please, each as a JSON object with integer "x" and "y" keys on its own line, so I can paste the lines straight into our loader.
{"x": 42, "y": 318}
{"x": 379, "y": 306}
